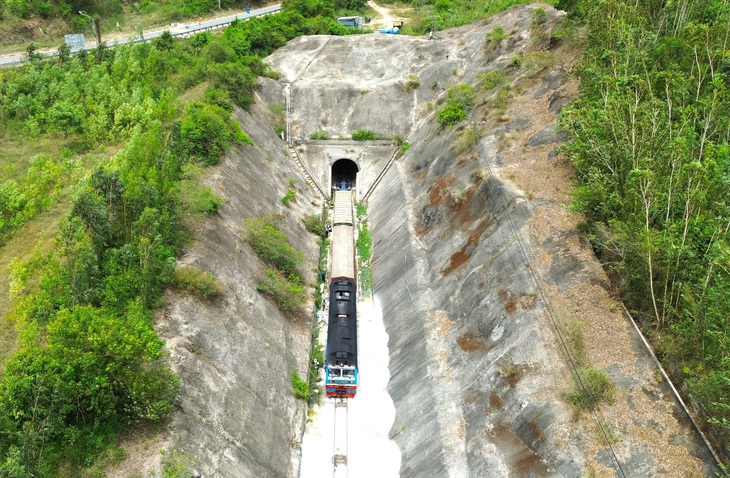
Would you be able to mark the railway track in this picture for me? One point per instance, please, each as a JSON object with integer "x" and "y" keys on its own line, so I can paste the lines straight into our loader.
{"x": 340, "y": 442}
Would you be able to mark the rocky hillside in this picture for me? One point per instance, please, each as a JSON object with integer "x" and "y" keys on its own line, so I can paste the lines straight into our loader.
{"x": 491, "y": 297}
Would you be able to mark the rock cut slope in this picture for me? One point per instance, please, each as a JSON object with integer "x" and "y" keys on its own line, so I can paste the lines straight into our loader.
{"x": 491, "y": 297}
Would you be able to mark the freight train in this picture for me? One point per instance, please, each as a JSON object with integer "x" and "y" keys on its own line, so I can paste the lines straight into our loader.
{"x": 341, "y": 373}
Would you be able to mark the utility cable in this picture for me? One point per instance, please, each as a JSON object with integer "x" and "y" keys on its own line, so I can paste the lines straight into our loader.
{"x": 595, "y": 413}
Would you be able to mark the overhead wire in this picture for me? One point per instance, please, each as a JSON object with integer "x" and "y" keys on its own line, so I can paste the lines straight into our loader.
{"x": 594, "y": 412}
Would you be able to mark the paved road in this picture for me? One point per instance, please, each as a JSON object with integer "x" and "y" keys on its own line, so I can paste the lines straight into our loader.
{"x": 176, "y": 29}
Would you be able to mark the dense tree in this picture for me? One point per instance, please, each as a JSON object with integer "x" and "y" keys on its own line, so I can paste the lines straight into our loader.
{"x": 89, "y": 364}
{"x": 651, "y": 134}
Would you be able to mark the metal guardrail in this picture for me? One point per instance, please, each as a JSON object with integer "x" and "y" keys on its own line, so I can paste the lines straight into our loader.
{"x": 184, "y": 31}
{"x": 303, "y": 167}
{"x": 380, "y": 176}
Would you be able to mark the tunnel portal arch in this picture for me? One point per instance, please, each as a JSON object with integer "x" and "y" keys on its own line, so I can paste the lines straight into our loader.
{"x": 344, "y": 174}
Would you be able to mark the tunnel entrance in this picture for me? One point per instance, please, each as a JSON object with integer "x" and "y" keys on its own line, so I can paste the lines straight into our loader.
{"x": 344, "y": 174}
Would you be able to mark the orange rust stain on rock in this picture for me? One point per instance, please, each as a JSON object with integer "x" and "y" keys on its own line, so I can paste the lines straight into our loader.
{"x": 469, "y": 342}
{"x": 495, "y": 403}
{"x": 461, "y": 256}
{"x": 439, "y": 190}
{"x": 509, "y": 300}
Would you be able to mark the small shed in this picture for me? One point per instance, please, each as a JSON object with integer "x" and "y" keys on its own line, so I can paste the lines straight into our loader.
{"x": 350, "y": 22}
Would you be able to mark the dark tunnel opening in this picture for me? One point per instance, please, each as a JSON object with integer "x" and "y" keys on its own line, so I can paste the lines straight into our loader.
{"x": 344, "y": 174}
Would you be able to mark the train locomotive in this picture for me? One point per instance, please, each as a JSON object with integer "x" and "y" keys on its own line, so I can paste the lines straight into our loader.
{"x": 341, "y": 364}
{"x": 341, "y": 372}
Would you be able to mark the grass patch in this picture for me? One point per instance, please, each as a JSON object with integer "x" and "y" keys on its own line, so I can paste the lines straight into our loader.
{"x": 282, "y": 281}
{"x": 316, "y": 362}
{"x": 494, "y": 37}
{"x": 501, "y": 100}
{"x": 490, "y": 80}
{"x": 321, "y": 134}
{"x": 413, "y": 83}
{"x": 289, "y": 197}
{"x": 595, "y": 388}
{"x": 536, "y": 61}
{"x": 175, "y": 464}
{"x": 199, "y": 199}
{"x": 196, "y": 281}
{"x": 300, "y": 386}
{"x": 365, "y": 135}
{"x": 364, "y": 242}
{"x": 468, "y": 139}
{"x": 364, "y": 250}
{"x": 287, "y": 292}
{"x": 270, "y": 243}
{"x": 315, "y": 225}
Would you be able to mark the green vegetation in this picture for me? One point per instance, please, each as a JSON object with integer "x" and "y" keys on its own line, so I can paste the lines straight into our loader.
{"x": 413, "y": 83}
{"x": 490, "y": 80}
{"x": 364, "y": 249}
{"x": 365, "y": 135}
{"x": 494, "y": 37}
{"x": 289, "y": 197}
{"x": 270, "y": 243}
{"x": 287, "y": 292}
{"x": 88, "y": 364}
{"x": 175, "y": 464}
{"x": 315, "y": 224}
{"x": 321, "y": 134}
{"x": 207, "y": 130}
{"x": 652, "y": 153}
{"x": 193, "y": 280}
{"x": 22, "y": 200}
{"x": 282, "y": 282}
{"x": 300, "y": 386}
{"x": 445, "y": 14}
{"x": 595, "y": 388}
{"x": 316, "y": 362}
{"x": 459, "y": 101}
{"x": 278, "y": 115}
{"x": 364, "y": 243}
{"x": 468, "y": 139}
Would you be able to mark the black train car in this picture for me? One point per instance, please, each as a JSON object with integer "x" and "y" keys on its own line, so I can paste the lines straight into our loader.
{"x": 341, "y": 361}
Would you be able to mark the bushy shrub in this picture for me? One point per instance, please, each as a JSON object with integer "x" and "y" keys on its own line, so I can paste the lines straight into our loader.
{"x": 451, "y": 114}
{"x": 365, "y": 135}
{"x": 315, "y": 225}
{"x": 491, "y": 79}
{"x": 413, "y": 83}
{"x": 287, "y": 292}
{"x": 300, "y": 386}
{"x": 459, "y": 100}
{"x": 596, "y": 388}
{"x": 194, "y": 280}
{"x": 289, "y": 197}
{"x": 199, "y": 198}
{"x": 494, "y": 37}
{"x": 468, "y": 139}
{"x": 207, "y": 130}
{"x": 321, "y": 134}
{"x": 218, "y": 97}
{"x": 270, "y": 243}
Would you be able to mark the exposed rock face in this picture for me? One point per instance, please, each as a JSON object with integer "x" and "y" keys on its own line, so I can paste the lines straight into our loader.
{"x": 235, "y": 354}
{"x": 478, "y": 267}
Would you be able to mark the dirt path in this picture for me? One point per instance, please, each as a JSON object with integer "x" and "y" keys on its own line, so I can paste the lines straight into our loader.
{"x": 384, "y": 20}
